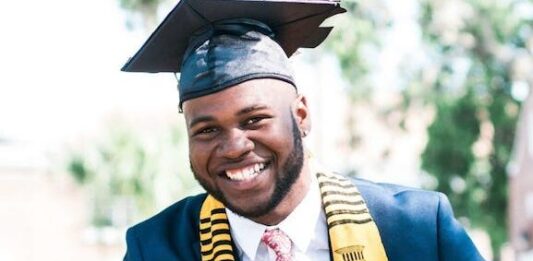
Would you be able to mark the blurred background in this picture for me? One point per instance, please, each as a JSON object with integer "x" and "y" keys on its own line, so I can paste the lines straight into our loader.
{"x": 428, "y": 93}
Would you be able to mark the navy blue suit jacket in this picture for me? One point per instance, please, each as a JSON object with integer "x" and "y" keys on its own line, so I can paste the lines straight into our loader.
{"x": 413, "y": 224}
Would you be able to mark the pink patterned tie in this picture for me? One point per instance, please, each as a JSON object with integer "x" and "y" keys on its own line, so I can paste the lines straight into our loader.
{"x": 278, "y": 241}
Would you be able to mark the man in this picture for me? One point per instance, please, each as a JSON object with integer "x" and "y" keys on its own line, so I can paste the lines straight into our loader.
{"x": 266, "y": 198}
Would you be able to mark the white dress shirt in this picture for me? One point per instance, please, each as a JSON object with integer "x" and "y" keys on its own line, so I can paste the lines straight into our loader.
{"x": 305, "y": 226}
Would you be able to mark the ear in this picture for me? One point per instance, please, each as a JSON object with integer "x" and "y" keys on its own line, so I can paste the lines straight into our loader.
{"x": 301, "y": 115}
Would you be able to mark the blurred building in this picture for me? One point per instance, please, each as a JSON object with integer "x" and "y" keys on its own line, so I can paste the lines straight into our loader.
{"x": 521, "y": 185}
{"x": 43, "y": 214}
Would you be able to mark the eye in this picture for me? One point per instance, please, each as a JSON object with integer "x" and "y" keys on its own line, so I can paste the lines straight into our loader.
{"x": 206, "y": 131}
{"x": 254, "y": 122}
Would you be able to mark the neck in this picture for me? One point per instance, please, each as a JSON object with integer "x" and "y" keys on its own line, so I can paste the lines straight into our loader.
{"x": 297, "y": 193}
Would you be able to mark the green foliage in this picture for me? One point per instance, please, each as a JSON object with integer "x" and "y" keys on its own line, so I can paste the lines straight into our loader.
{"x": 141, "y": 13}
{"x": 132, "y": 173}
{"x": 139, "y": 5}
{"x": 488, "y": 37}
{"x": 355, "y": 40}
{"x": 355, "y": 34}
{"x": 457, "y": 128}
{"x": 77, "y": 168}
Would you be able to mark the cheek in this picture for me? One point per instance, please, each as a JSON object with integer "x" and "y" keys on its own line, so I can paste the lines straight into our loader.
{"x": 196, "y": 156}
{"x": 277, "y": 138}
{"x": 199, "y": 155}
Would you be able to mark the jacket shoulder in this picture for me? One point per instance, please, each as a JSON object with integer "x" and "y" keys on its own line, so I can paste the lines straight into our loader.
{"x": 168, "y": 235}
{"x": 403, "y": 203}
{"x": 399, "y": 200}
{"x": 183, "y": 210}
{"x": 423, "y": 218}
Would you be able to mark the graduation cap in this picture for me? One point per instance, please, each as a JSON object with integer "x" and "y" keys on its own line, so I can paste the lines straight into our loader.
{"x": 216, "y": 44}
{"x": 295, "y": 23}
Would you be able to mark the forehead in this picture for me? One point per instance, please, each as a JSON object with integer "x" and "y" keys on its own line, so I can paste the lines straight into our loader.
{"x": 265, "y": 92}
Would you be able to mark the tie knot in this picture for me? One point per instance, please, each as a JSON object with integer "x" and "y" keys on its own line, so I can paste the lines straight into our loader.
{"x": 278, "y": 241}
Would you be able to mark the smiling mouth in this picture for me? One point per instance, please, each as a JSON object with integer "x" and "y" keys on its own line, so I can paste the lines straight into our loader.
{"x": 246, "y": 173}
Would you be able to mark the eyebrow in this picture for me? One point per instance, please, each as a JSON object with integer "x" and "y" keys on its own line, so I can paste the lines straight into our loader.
{"x": 252, "y": 108}
{"x": 200, "y": 119}
{"x": 241, "y": 112}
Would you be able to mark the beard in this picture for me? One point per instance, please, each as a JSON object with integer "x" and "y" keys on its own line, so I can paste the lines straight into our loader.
{"x": 284, "y": 180}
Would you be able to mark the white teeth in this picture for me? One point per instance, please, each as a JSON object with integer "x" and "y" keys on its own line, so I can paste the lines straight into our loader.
{"x": 245, "y": 173}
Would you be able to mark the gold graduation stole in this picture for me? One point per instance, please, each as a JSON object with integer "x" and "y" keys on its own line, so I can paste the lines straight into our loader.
{"x": 353, "y": 234}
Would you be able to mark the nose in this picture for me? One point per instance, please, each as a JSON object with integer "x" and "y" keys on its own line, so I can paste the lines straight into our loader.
{"x": 235, "y": 144}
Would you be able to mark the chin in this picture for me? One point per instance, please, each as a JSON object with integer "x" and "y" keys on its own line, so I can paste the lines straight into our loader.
{"x": 251, "y": 207}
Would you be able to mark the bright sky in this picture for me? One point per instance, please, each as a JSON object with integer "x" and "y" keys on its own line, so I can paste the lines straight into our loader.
{"x": 60, "y": 63}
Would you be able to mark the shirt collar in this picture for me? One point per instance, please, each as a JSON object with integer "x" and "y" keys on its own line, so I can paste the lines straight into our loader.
{"x": 247, "y": 234}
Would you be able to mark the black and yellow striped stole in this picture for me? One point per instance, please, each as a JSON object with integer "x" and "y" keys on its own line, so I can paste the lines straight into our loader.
{"x": 215, "y": 237}
{"x": 352, "y": 232}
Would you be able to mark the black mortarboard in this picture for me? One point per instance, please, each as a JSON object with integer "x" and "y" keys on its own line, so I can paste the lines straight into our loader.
{"x": 296, "y": 23}
{"x": 216, "y": 44}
